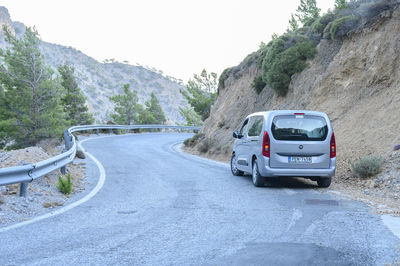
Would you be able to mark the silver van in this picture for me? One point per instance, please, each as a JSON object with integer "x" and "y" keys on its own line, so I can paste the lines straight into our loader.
{"x": 294, "y": 143}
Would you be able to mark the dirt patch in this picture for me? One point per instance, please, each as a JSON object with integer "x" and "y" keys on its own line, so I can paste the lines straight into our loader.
{"x": 22, "y": 157}
{"x": 381, "y": 191}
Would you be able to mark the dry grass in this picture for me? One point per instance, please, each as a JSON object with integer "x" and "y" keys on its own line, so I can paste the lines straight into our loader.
{"x": 52, "y": 204}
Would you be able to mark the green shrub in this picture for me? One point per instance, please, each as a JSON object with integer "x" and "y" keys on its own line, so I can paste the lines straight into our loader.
{"x": 221, "y": 124}
{"x": 272, "y": 50}
{"x": 222, "y": 78}
{"x": 65, "y": 184}
{"x": 205, "y": 145}
{"x": 190, "y": 142}
{"x": 285, "y": 64}
{"x": 303, "y": 30}
{"x": 258, "y": 84}
{"x": 320, "y": 24}
{"x": 197, "y": 136}
{"x": 367, "y": 166}
{"x": 317, "y": 27}
{"x": 251, "y": 58}
{"x": 187, "y": 142}
{"x": 343, "y": 25}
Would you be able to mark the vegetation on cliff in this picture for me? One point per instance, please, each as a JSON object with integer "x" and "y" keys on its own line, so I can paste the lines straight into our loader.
{"x": 287, "y": 54}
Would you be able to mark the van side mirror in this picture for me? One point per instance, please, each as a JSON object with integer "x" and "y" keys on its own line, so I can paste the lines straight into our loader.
{"x": 237, "y": 135}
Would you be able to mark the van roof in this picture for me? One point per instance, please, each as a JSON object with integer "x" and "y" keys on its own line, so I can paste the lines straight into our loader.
{"x": 287, "y": 112}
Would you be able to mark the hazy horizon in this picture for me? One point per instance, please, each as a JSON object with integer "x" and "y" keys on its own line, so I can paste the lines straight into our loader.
{"x": 178, "y": 37}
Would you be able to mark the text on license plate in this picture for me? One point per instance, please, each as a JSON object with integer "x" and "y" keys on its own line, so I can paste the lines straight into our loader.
{"x": 300, "y": 159}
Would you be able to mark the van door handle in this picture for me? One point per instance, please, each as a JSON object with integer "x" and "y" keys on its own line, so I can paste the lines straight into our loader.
{"x": 254, "y": 140}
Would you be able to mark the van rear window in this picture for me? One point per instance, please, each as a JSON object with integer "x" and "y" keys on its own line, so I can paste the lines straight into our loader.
{"x": 299, "y": 127}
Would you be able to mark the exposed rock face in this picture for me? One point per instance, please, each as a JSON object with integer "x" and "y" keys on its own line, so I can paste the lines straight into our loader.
{"x": 357, "y": 83}
{"x": 101, "y": 80}
{"x": 5, "y": 19}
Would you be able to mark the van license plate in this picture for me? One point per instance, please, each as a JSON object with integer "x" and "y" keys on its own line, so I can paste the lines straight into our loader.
{"x": 299, "y": 159}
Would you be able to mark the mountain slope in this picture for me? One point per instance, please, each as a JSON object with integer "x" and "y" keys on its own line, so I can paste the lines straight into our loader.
{"x": 101, "y": 80}
{"x": 356, "y": 82}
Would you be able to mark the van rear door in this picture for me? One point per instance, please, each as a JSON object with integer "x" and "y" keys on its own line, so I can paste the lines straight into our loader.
{"x": 299, "y": 141}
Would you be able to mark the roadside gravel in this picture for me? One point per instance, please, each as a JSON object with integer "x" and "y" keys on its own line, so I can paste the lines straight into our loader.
{"x": 42, "y": 194}
{"x": 382, "y": 191}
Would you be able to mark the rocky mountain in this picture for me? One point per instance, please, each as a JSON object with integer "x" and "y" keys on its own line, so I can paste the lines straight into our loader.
{"x": 356, "y": 81}
{"x": 101, "y": 80}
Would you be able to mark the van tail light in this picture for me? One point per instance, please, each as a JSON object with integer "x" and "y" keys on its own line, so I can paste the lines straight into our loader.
{"x": 266, "y": 145}
{"x": 333, "y": 146}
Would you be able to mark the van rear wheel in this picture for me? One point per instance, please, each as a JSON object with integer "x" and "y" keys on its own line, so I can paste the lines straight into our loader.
{"x": 324, "y": 182}
{"x": 258, "y": 180}
{"x": 235, "y": 171}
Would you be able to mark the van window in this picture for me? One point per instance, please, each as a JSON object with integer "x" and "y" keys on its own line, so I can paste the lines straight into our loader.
{"x": 255, "y": 126}
{"x": 243, "y": 128}
{"x": 304, "y": 127}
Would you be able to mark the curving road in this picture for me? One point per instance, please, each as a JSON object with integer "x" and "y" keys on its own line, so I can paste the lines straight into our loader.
{"x": 161, "y": 207}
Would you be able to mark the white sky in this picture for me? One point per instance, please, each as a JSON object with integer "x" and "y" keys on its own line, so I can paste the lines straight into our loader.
{"x": 179, "y": 37}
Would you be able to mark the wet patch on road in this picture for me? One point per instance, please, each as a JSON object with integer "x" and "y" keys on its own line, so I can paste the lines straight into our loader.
{"x": 321, "y": 202}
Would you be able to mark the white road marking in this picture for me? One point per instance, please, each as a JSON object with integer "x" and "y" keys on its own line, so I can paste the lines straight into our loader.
{"x": 297, "y": 214}
{"x": 393, "y": 223}
{"x": 92, "y": 193}
{"x": 177, "y": 147}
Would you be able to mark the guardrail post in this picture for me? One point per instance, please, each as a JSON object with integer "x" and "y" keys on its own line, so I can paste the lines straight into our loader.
{"x": 22, "y": 189}
{"x": 63, "y": 169}
{"x": 68, "y": 142}
{"x": 97, "y": 131}
{"x": 111, "y": 131}
{"x": 67, "y": 139}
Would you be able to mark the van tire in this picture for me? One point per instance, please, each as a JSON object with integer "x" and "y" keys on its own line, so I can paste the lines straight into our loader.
{"x": 234, "y": 170}
{"x": 324, "y": 182}
{"x": 258, "y": 180}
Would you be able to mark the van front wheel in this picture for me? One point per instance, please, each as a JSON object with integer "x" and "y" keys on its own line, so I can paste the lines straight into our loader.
{"x": 324, "y": 182}
{"x": 234, "y": 169}
{"x": 258, "y": 180}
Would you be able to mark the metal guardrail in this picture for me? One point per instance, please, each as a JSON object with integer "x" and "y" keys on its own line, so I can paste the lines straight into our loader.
{"x": 29, "y": 172}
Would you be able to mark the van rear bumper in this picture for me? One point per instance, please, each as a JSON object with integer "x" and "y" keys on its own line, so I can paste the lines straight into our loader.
{"x": 267, "y": 171}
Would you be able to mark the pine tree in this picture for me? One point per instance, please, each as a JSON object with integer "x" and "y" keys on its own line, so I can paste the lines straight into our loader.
{"x": 154, "y": 107}
{"x": 293, "y": 25}
{"x": 146, "y": 117}
{"x": 192, "y": 118}
{"x": 307, "y": 11}
{"x": 74, "y": 102}
{"x": 127, "y": 109}
{"x": 30, "y": 103}
{"x": 340, "y": 4}
{"x": 201, "y": 93}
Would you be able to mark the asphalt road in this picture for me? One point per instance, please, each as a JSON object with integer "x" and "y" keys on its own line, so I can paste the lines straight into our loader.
{"x": 162, "y": 207}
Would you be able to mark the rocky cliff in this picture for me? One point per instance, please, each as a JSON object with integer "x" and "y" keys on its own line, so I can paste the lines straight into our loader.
{"x": 101, "y": 80}
{"x": 356, "y": 81}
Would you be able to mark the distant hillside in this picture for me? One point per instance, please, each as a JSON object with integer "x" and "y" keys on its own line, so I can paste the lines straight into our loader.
{"x": 101, "y": 80}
